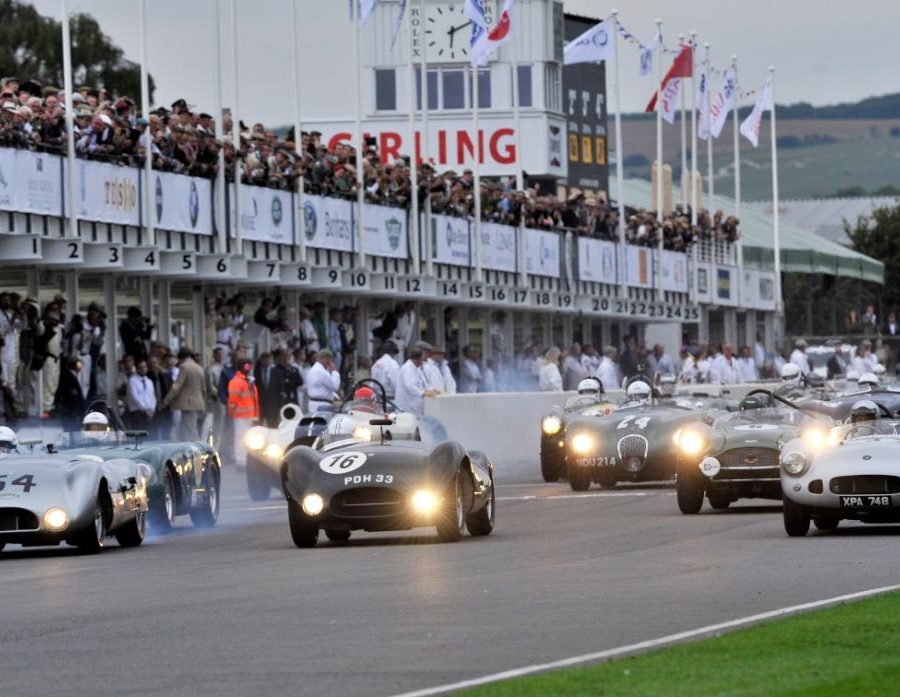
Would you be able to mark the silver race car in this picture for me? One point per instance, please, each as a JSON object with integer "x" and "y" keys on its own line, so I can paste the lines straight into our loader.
{"x": 77, "y": 498}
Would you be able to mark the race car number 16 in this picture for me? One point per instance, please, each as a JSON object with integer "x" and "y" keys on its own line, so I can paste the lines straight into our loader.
{"x": 341, "y": 463}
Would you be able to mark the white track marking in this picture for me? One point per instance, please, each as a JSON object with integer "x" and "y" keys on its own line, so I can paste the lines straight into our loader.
{"x": 646, "y": 645}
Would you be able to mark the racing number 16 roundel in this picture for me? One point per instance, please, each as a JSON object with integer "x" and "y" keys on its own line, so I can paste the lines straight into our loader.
{"x": 341, "y": 463}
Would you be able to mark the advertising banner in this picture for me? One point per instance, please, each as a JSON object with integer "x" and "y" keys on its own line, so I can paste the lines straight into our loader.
{"x": 596, "y": 261}
{"x": 450, "y": 240}
{"x": 387, "y": 232}
{"x": 329, "y": 223}
{"x": 542, "y": 253}
{"x": 30, "y": 182}
{"x": 758, "y": 290}
{"x": 182, "y": 204}
{"x": 498, "y": 247}
{"x": 639, "y": 266}
{"x": 674, "y": 271}
{"x": 266, "y": 214}
{"x": 108, "y": 193}
{"x": 725, "y": 291}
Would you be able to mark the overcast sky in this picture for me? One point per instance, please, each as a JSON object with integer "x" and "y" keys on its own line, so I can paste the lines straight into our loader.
{"x": 825, "y": 51}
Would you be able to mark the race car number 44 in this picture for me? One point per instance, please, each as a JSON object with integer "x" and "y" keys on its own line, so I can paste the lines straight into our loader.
{"x": 342, "y": 463}
{"x": 865, "y": 501}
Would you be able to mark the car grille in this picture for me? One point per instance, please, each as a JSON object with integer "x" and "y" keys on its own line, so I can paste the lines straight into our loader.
{"x": 14, "y": 519}
{"x": 865, "y": 484}
{"x": 632, "y": 451}
{"x": 368, "y": 502}
{"x": 749, "y": 463}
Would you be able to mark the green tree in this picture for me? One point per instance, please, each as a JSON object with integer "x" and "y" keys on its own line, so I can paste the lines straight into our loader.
{"x": 31, "y": 49}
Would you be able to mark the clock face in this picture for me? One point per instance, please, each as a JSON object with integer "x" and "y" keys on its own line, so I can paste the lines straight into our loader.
{"x": 446, "y": 31}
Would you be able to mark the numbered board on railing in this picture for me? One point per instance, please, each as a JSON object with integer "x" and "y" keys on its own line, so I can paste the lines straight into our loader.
{"x": 449, "y": 290}
{"x": 104, "y": 256}
{"x": 664, "y": 312}
{"x": 216, "y": 266}
{"x": 264, "y": 271}
{"x": 63, "y": 252}
{"x": 177, "y": 264}
{"x": 142, "y": 259}
{"x": 296, "y": 275}
{"x": 409, "y": 286}
{"x": 326, "y": 278}
{"x": 357, "y": 280}
{"x": 474, "y": 292}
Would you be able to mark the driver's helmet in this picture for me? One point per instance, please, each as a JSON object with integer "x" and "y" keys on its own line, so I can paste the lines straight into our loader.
{"x": 364, "y": 398}
{"x": 8, "y": 440}
{"x": 863, "y": 410}
{"x": 95, "y": 427}
{"x": 879, "y": 369}
{"x": 790, "y": 373}
{"x": 667, "y": 385}
{"x": 867, "y": 380}
{"x": 851, "y": 374}
{"x": 639, "y": 391}
{"x": 589, "y": 387}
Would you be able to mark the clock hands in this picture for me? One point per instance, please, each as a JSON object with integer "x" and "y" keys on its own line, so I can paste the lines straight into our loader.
{"x": 452, "y": 31}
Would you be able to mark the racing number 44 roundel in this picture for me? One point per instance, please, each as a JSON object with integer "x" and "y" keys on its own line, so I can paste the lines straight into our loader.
{"x": 341, "y": 463}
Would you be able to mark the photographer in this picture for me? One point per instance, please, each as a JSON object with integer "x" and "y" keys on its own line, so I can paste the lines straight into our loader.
{"x": 134, "y": 332}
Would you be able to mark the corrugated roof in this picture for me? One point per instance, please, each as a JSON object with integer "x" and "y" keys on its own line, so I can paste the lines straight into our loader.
{"x": 802, "y": 251}
{"x": 826, "y": 217}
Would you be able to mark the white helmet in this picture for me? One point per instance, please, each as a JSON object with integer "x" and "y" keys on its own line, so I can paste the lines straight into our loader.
{"x": 588, "y": 386}
{"x": 8, "y": 440}
{"x": 852, "y": 374}
{"x": 790, "y": 372}
{"x": 95, "y": 426}
{"x": 867, "y": 379}
{"x": 638, "y": 391}
{"x": 863, "y": 410}
{"x": 879, "y": 369}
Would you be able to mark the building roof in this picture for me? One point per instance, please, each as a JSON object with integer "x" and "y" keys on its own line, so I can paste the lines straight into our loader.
{"x": 802, "y": 251}
{"x": 826, "y": 217}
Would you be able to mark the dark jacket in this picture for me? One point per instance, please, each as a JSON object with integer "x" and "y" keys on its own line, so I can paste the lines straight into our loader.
{"x": 69, "y": 401}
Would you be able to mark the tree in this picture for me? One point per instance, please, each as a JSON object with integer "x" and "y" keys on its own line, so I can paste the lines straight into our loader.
{"x": 31, "y": 49}
{"x": 878, "y": 236}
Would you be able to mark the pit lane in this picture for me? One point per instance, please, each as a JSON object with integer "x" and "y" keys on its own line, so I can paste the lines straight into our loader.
{"x": 239, "y": 610}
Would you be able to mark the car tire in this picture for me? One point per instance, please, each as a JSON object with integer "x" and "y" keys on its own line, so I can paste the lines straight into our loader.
{"x": 828, "y": 522}
{"x": 579, "y": 478}
{"x": 689, "y": 492}
{"x": 206, "y": 515}
{"x": 2, "y": 545}
{"x": 304, "y": 532}
{"x": 607, "y": 481}
{"x": 92, "y": 538}
{"x": 719, "y": 503}
{"x": 451, "y": 519}
{"x": 553, "y": 461}
{"x": 259, "y": 481}
{"x": 796, "y": 518}
{"x": 132, "y": 533}
{"x": 164, "y": 511}
{"x": 337, "y": 535}
{"x": 481, "y": 522}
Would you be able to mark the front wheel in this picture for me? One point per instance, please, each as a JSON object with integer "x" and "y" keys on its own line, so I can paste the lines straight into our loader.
{"x": 132, "y": 534}
{"x": 162, "y": 513}
{"x": 337, "y": 535}
{"x": 827, "y": 522}
{"x": 304, "y": 531}
{"x": 451, "y": 520}
{"x": 481, "y": 522}
{"x": 92, "y": 538}
{"x": 720, "y": 503}
{"x": 608, "y": 481}
{"x": 553, "y": 461}
{"x": 796, "y": 518}
{"x": 579, "y": 478}
{"x": 206, "y": 515}
{"x": 259, "y": 481}
{"x": 689, "y": 492}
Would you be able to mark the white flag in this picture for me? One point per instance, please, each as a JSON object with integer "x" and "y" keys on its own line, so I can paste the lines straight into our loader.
{"x": 722, "y": 104}
{"x": 490, "y": 41}
{"x": 703, "y": 104}
{"x": 365, "y": 9}
{"x": 647, "y": 52}
{"x": 750, "y": 125}
{"x": 668, "y": 100}
{"x": 596, "y": 44}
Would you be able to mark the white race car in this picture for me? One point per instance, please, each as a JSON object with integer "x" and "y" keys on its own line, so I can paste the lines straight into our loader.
{"x": 850, "y": 472}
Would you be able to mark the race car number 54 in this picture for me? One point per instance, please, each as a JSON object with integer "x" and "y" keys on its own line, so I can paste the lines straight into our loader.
{"x": 342, "y": 463}
{"x": 26, "y": 481}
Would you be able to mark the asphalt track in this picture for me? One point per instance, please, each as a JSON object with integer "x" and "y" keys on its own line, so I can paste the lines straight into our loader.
{"x": 240, "y": 611}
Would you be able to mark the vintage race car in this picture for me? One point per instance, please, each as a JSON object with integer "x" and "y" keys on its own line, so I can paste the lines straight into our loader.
{"x": 74, "y": 497}
{"x": 730, "y": 455}
{"x": 553, "y": 427}
{"x": 633, "y": 443}
{"x": 838, "y": 407}
{"x": 266, "y": 446}
{"x": 382, "y": 484}
{"x": 849, "y": 472}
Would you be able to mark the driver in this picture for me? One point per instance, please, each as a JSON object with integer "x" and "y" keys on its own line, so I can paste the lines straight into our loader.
{"x": 639, "y": 391}
{"x": 667, "y": 385}
{"x": 790, "y": 374}
{"x": 8, "y": 441}
{"x": 364, "y": 399}
{"x": 867, "y": 380}
{"x": 863, "y": 411}
{"x": 95, "y": 427}
{"x": 589, "y": 387}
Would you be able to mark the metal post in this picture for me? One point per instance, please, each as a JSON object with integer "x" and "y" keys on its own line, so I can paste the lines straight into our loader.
{"x": 779, "y": 303}
{"x": 683, "y": 90}
{"x": 70, "y": 121}
{"x": 709, "y": 139}
{"x": 145, "y": 111}
{"x": 737, "y": 180}
{"x": 236, "y": 129}
{"x": 414, "y": 219}
{"x": 476, "y": 188}
{"x": 221, "y": 209}
{"x": 620, "y": 167}
{"x": 298, "y": 130}
{"x": 360, "y": 146}
{"x": 659, "y": 154}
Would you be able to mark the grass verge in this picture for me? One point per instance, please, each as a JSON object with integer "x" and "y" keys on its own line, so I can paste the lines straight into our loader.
{"x": 850, "y": 650}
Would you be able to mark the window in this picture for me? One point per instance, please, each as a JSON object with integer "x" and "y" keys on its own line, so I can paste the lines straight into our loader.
{"x": 526, "y": 97}
{"x": 453, "y": 92}
{"x": 385, "y": 89}
{"x": 484, "y": 89}
{"x": 432, "y": 89}
{"x": 553, "y": 88}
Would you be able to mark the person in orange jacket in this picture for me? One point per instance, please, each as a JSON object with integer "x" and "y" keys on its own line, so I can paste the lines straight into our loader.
{"x": 243, "y": 407}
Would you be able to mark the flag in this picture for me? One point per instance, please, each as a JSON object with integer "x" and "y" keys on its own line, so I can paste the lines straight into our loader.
{"x": 500, "y": 33}
{"x": 682, "y": 66}
{"x": 723, "y": 103}
{"x": 474, "y": 10}
{"x": 398, "y": 23}
{"x": 647, "y": 52}
{"x": 365, "y": 10}
{"x": 750, "y": 126}
{"x": 669, "y": 100}
{"x": 596, "y": 44}
{"x": 703, "y": 103}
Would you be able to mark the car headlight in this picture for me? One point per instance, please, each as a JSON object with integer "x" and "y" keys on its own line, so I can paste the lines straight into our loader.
{"x": 794, "y": 463}
{"x": 815, "y": 439}
{"x": 424, "y": 502}
{"x": 551, "y": 425}
{"x": 255, "y": 438}
{"x": 583, "y": 443}
{"x": 363, "y": 433}
{"x": 274, "y": 451}
{"x": 312, "y": 504}
{"x": 56, "y": 519}
{"x": 692, "y": 442}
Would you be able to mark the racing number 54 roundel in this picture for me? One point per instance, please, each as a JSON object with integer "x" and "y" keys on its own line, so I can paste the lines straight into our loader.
{"x": 341, "y": 463}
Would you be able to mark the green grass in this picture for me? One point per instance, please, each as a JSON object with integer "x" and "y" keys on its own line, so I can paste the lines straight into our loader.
{"x": 848, "y": 651}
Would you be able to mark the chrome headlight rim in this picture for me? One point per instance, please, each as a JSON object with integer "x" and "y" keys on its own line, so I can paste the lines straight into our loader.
{"x": 795, "y": 463}
{"x": 55, "y": 519}
{"x": 692, "y": 442}
{"x": 551, "y": 425}
{"x": 425, "y": 502}
{"x": 583, "y": 443}
{"x": 312, "y": 504}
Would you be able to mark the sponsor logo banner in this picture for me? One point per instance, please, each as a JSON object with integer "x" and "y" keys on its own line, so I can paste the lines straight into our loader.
{"x": 674, "y": 271}
{"x": 30, "y": 182}
{"x": 758, "y": 290}
{"x": 596, "y": 261}
{"x": 498, "y": 247}
{"x": 450, "y": 240}
{"x": 181, "y": 203}
{"x": 387, "y": 232}
{"x": 329, "y": 223}
{"x": 266, "y": 214}
{"x": 108, "y": 193}
{"x": 639, "y": 266}
{"x": 724, "y": 291}
{"x": 542, "y": 253}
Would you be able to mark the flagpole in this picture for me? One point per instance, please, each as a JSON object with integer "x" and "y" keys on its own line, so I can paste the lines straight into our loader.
{"x": 145, "y": 112}
{"x": 236, "y": 128}
{"x": 221, "y": 210}
{"x": 709, "y": 139}
{"x": 779, "y": 306}
{"x": 298, "y": 130}
{"x": 684, "y": 197}
{"x": 360, "y": 146}
{"x": 620, "y": 170}
{"x": 70, "y": 121}
{"x": 692, "y": 184}
{"x": 414, "y": 231}
{"x": 476, "y": 192}
{"x": 423, "y": 92}
{"x": 659, "y": 151}
{"x": 517, "y": 117}
{"x": 737, "y": 174}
